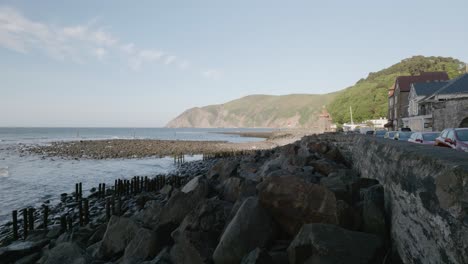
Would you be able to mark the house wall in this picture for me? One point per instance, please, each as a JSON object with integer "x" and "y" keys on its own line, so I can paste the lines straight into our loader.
{"x": 449, "y": 113}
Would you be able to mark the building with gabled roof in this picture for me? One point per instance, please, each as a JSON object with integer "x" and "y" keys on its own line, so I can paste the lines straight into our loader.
{"x": 435, "y": 106}
{"x": 399, "y": 96}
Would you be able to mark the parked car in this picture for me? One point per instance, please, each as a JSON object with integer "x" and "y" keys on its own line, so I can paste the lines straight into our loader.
{"x": 407, "y": 129}
{"x": 455, "y": 138}
{"x": 380, "y": 133}
{"x": 426, "y": 138}
{"x": 389, "y": 134}
{"x": 369, "y": 132}
{"x": 402, "y": 135}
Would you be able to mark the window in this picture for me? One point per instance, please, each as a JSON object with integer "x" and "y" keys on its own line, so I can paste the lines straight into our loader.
{"x": 444, "y": 134}
{"x": 451, "y": 135}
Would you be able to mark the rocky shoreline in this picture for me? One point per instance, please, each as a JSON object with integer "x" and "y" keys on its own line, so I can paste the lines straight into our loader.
{"x": 299, "y": 203}
{"x": 140, "y": 148}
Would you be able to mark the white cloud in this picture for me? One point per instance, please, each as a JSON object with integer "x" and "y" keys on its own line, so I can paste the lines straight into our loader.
{"x": 169, "y": 59}
{"x": 128, "y": 48}
{"x": 212, "y": 73}
{"x": 78, "y": 43}
{"x": 184, "y": 65}
{"x": 100, "y": 53}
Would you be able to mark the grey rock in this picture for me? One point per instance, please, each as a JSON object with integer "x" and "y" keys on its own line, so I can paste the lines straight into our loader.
{"x": 199, "y": 232}
{"x": 67, "y": 252}
{"x": 191, "y": 185}
{"x": 20, "y": 249}
{"x": 120, "y": 231}
{"x": 163, "y": 257}
{"x": 252, "y": 227}
{"x": 294, "y": 202}
{"x": 257, "y": 256}
{"x": 144, "y": 245}
{"x": 324, "y": 243}
{"x": 230, "y": 189}
{"x": 223, "y": 169}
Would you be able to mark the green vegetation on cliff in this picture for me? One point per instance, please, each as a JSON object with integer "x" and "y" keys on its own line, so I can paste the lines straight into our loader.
{"x": 369, "y": 97}
{"x": 298, "y": 110}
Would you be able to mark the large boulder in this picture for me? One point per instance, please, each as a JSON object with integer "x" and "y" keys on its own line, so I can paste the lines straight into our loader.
{"x": 67, "y": 252}
{"x": 323, "y": 243}
{"x": 120, "y": 231}
{"x": 19, "y": 249}
{"x": 198, "y": 234}
{"x": 144, "y": 245}
{"x": 175, "y": 210}
{"x": 257, "y": 256}
{"x": 250, "y": 228}
{"x": 295, "y": 202}
{"x": 224, "y": 169}
{"x": 373, "y": 211}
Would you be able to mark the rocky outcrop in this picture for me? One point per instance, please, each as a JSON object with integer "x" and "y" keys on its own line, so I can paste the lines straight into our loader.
{"x": 294, "y": 202}
{"x": 322, "y": 243}
{"x": 252, "y": 227}
{"x": 120, "y": 231}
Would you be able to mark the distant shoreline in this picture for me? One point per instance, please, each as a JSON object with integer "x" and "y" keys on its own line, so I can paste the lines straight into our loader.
{"x": 142, "y": 148}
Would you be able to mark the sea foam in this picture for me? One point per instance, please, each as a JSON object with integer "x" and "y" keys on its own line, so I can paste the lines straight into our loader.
{"x": 3, "y": 171}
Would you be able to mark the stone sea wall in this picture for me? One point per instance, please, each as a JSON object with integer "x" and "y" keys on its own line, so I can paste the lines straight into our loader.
{"x": 426, "y": 196}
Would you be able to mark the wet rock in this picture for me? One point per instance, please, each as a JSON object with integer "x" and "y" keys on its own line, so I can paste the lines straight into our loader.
{"x": 191, "y": 185}
{"x": 325, "y": 167}
{"x": 178, "y": 206}
{"x": 19, "y": 249}
{"x": 323, "y": 243}
{"x": 199, "y": 232}
{"x": 249, "y": 170}
{"x": 97, "y": 235}
{"x": 184, "y": 253}
{"x": 144, "y": 245}
{"x": 163, "y": 257}
{"x": 149, "y": 215}
{"x": 294, "y": 202}
{"x": 257, "y": 256}
{"x": 166, "y": 190}
{"x": 230, "y": 189}
{"x": 29, "y": 259}
{"x": 223, "y": 169}
{"x": 251, "y": 227}
{"x": 67, "y": 252}
{"x": 373, "y": 211}
{"x": 348, "y": 217}
{"x": 120, "y": 231}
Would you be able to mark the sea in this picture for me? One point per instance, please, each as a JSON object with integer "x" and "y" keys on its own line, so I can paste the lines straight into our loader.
{"x": 31, "y": 180}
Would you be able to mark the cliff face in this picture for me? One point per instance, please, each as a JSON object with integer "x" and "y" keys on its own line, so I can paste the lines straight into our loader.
{"x": 296, "y": 110}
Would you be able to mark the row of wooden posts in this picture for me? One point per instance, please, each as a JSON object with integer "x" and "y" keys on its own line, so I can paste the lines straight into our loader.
{"x": 227, "y": 154}
{"x": 113, "y": 196}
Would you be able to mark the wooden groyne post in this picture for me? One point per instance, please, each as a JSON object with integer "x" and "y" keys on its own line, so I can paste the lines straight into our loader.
{"x": 15, "y": 225}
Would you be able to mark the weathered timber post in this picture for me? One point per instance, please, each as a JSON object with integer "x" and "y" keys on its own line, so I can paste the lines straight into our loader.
{"x": 31, "y": 218}
{"x": 104, "y": 190}
{"x": 25, "y": 222}
{"x": 15, "y": 225}
{"x": 63, "y": 223}
{"x": 76, "y": 192}
{"x": 80, "y": 195}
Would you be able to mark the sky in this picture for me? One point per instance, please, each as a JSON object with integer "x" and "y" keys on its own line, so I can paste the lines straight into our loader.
{"x": 142, "y": 63}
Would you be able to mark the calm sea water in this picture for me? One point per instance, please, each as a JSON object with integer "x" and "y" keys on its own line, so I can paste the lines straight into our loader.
{"x": 30, "y": 180}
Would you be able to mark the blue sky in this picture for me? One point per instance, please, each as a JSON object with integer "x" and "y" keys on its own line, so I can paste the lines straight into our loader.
{"x": 141, "y": 63}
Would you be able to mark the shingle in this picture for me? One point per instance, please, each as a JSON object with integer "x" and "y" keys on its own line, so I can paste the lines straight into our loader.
{"x": 428, "y": 88}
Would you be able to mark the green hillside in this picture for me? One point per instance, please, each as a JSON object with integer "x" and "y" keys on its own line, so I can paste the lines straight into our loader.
{"x": 369, "y": 97}
{"x": 298, "y": 110}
